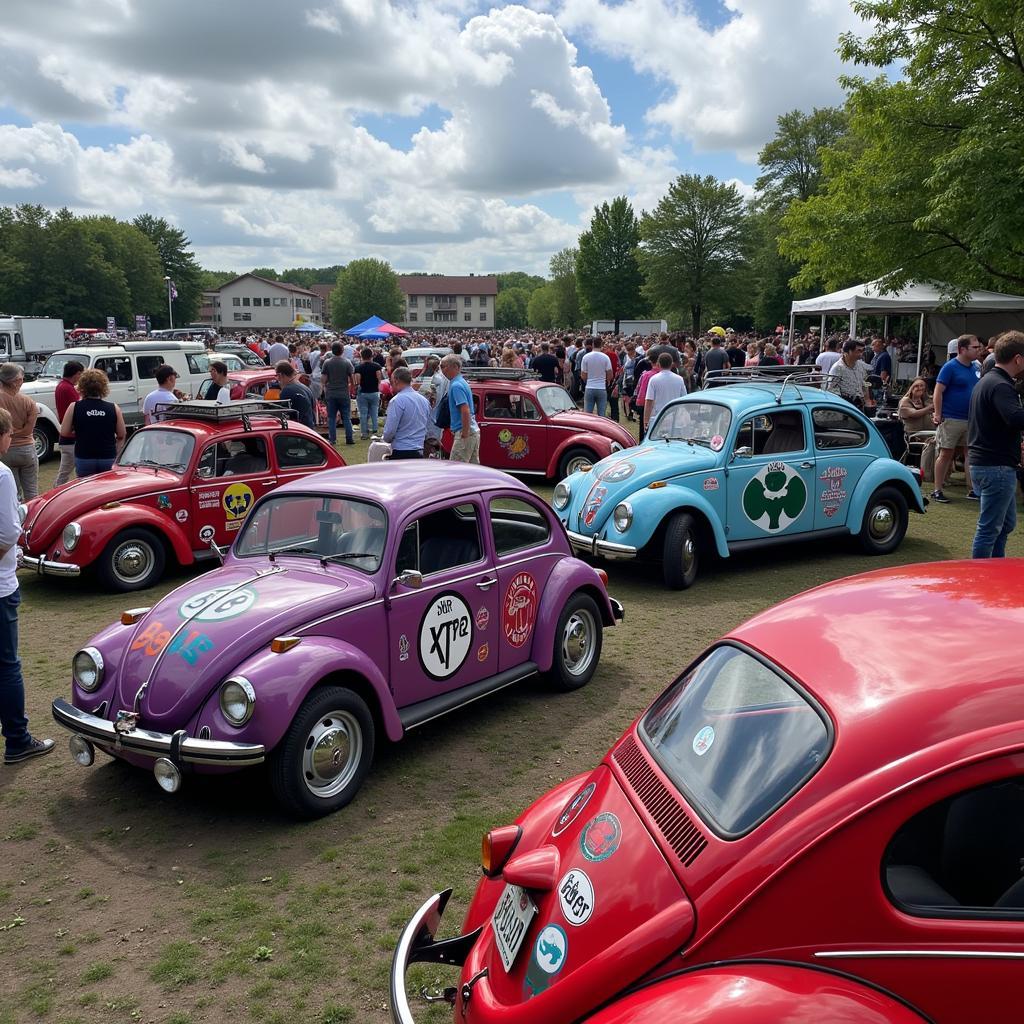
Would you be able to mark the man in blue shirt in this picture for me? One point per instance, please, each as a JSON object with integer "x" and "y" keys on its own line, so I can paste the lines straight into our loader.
{"x": 952, "y": 398}
{"x": 405, "y": 427}
{"x": 466, "y": 433}
{"x": 881, "y": 362}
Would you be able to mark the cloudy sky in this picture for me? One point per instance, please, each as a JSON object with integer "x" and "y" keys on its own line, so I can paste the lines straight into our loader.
{"x": 440, "y": 135}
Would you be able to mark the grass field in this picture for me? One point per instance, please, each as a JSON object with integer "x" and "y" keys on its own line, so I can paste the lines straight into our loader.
{"x": 119, "y": 903}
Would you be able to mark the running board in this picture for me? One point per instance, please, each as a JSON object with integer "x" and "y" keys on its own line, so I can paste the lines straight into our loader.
{"x": 435, "y": 707}
{"x": 736, "y": 546}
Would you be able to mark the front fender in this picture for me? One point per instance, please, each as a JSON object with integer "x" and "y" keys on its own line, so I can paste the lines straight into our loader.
{"x": 650, "y": 507}
{"x": 878, "y": 474}
{"x": 101, "y": 525}
{"x": 757, "y": 993}
{"x": 600, "y": 446}
{"x": 283, "y": 681}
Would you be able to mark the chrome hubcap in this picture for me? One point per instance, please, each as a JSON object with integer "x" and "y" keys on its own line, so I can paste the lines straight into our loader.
{"x": 132, "y": 561}
{"x": 578, "y": 642}
{"x": 333, "y": 750}
{"x": 689, "y": 555}
{"x": 577, "y": 464}
{"x": 882, "y": 522}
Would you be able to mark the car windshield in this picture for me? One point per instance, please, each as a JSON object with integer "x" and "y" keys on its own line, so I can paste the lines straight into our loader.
{"x": 54, "y": 366}
{"x": 158, "y": 446}
{"x": 343, "y": 530}
{"x": 555, "y": 399}
{"x": 737, "y": 738}
{"x": 703, "y": 422}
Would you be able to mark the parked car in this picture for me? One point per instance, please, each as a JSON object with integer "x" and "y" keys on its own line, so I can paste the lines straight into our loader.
{"x": 819, "y": 820}
{"x": 532, "y": 427}
{"x": 176, "y": 486}
{"x": 351, "y": 604}
{"x": 243, "y": 353}
{"x": 753, "y": 464}
{"x": 253, "y": 383}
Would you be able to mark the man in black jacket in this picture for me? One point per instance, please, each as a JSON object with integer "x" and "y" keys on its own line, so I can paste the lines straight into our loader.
{"x": 994, "y": 443}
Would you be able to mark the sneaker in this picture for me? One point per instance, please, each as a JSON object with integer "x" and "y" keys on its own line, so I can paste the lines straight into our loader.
{"x": 939, "y": 497}
{"x": 34, "y": 748}
{"x": 971, "y": 496}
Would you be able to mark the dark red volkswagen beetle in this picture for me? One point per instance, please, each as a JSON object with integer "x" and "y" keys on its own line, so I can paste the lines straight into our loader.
{"x": 821, "y": 820}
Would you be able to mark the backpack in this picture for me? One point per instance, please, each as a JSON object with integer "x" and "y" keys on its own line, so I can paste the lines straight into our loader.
{"x": 443, "y": 414}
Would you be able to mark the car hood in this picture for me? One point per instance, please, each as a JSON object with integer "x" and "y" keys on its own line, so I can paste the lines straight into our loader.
{"x": 615, "y": 478}
{"x": 596, "y": 425}
{"x": 196, "y": 637}
{"x": 39, "y": 386}
{"x": 50, "y": 513}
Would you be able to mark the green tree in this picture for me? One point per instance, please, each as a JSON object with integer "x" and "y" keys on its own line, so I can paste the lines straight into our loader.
{"x": 519, "y": 279}
{"x": 540, "y": 310}
{"x": 511, "y": 308}
{"x": 929, "y": 182}
{"x": 791, "y": 161}
{"x": 23, "y": 255}
{"x": 211, "y": 280}
{"x": 607, "y": 272}
{"x": 306, "y": 277}
{"x": 179, "y": 263}
{"x": 266, "y": 272}
{"x": 771, "y": 272}
{"x": 364, "y": 288}
{"x": 565, "y": 300}
{"x": 694, "y": 246}
{"x": 128, "y": 249}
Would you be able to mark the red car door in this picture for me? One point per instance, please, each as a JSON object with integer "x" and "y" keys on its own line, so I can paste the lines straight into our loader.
{"x": 513, "y": 436}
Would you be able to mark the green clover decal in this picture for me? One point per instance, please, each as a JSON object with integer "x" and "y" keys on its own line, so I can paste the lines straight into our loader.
{"x": 775, "y": 497}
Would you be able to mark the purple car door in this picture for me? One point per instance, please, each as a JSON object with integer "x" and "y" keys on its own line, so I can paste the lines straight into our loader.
{"x": 439, "y": 633}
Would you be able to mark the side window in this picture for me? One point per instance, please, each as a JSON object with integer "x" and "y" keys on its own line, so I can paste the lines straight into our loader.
{"x": 18, "y": 347}
{"x": 147, "y": 366}
{"x": 295, "y": 452}
{"x": 516, "y": 524}
{"x": 961, "y": 857}
{"x": 523, "y": 408}
{"x": 498, "y": 407}
{"x": 117, "y": 368}
{"x": 5, "y": 343}
{"x": 835, "y": 428}
{"x": 443, "y": 540}
{"x": 237, "y": 457}
{"x": 777, "y": 434}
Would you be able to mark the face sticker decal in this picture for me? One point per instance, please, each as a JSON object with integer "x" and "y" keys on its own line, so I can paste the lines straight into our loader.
{"x": 446, "y": 635}
{"x": 237, "y": 500}
{"x": 573, "y": 809}
{"x": 600, "y": 839}
{"x": 576, "y": 896}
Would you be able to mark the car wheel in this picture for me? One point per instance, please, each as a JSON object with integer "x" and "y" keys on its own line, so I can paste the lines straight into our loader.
{"x": 43, "y": 443}
{"x": 574, "y": 460}
{"x": 320, "y": 764}
{"x": 133, "y": 560}
{"x": 578, "y": 638}
{"x": 681, "y": 554}
{"x": 885, "y": 522}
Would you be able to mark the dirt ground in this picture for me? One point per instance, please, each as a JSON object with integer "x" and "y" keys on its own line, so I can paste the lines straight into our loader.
{"x": 118, "y": 902}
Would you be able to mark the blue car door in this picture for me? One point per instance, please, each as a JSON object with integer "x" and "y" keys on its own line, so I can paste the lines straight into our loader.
{"x": 770, "y": 480}
{"x": 842, "y": 454}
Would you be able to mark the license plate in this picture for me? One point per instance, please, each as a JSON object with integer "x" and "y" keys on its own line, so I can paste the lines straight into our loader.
{"x": 511, "y": 919}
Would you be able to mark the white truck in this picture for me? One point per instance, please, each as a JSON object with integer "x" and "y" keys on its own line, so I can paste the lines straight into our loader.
{"x": 629, "y": 327}
{"x": 30, "y": 340}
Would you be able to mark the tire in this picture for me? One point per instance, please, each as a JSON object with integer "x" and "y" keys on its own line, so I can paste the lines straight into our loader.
{"x": 578, "y": 637}
{"x": 332, "y": 726}
{"x": 43, "y": 440}
{"x": 681, "y": 552}
{"x": 133, "y": 560}
{"x": 574, "y": 460}
{"x": 885, "y": 521}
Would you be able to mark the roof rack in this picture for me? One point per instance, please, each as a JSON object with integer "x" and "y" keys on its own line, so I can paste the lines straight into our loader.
{"x": 781, "y": 375}
{"x": 498, "y": 373}
{"x": 215, "y": 412}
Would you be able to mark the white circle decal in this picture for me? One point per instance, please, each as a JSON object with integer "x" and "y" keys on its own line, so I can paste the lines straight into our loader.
{"x": 217, "y": 604}
{"x": 550, "y": 949}
{"x": 576, "y": 895}
{"x": 703, "y": 740}
{"x": 446, "y": 635}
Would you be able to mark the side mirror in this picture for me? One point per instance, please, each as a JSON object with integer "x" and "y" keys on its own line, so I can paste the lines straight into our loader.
{"x": 217, "y": 550}
{"x": 409, "y": 578}
{"x": 743, "y": 453}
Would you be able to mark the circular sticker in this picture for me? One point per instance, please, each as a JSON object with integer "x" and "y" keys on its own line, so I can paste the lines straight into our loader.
{"x": 703, "y": 740}
{"x": 573, "y": 809}
{"x": 620, "y": 471}
{"x": 181, "y": 515}
{"x": 519, "y": 609}
{"x": 446, "y": 635}
{"x": 774, "y": 497}
{"x": 483, "y": 618}
{"x": 576, "y": 896}
{"x": 218, "y": 604}
{"x": 237, "y": 500}
{"x": 206, "y": 534}
{"x": 549, "y": 952}
{"x": 600, "y": 839}
{"x": 717, "y": 443}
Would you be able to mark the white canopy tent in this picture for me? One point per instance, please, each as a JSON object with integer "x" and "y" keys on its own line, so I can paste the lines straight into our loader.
{"x": 919, "y": 297}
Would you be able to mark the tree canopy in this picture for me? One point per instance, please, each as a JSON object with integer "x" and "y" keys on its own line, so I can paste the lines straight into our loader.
{"x": 178, "y": 262}
{"x": 607, "y": 272}
{"x": 366, "y": 288}
{"x": 791, "y": 161}
{"x": 511, "y": 308}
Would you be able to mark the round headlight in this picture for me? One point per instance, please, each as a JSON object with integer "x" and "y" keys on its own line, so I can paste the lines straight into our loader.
{"x": 237, "y": 700}
{"x": 622, "y": 516}
{"x": 22, "y": 513}
{"x": 87, "y": 668}
{"x": 70, "y": 536}
{"x": 560, "y": 499}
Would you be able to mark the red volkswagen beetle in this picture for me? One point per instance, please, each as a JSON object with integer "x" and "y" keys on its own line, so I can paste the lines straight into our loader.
{"x": 821, "y": 820}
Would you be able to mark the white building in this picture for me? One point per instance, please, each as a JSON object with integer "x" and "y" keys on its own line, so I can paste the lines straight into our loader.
{"x": 434, "y": 303}
{"x": 250, "y": 303}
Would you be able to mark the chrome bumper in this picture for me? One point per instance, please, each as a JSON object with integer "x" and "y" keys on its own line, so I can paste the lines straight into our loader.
{"x": 44, "y": 567}
{"x": 176, "y": 746}
{"x": 617, "y": 610}
{"x": 595, "y": 546}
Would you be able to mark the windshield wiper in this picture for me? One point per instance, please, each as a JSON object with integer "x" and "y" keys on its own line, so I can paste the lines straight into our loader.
{"x": 145, "y": 462}
{"x": 343, "y": 556}
{"x": 689, "y": 440}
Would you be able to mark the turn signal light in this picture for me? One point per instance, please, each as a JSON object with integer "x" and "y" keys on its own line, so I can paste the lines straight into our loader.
{"x": 657, "y": 483}
{"x": 111, "y": 504}
{"x": 132, "y": 615}
{"x": 497, "y": 847}
{"x": 604, "y": 577}
{"x": 280, "y": 644}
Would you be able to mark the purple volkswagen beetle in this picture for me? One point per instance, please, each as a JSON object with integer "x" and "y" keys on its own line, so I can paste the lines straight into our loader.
{"x": 373, "y": 598}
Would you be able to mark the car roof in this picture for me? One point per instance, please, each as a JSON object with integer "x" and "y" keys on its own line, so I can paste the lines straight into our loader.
{"x": 739, "y": 397}
{"x": 203, "y": 429}
{"x": 906, "y": 659}
{"x": 497, "y": 384}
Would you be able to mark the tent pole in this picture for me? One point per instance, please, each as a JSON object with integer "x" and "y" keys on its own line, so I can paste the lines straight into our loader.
{"x": 853, "y": 323}
{"x": 821, "y": 337}
{"x": 885, "y": 326}
{"x": 920, "y": 344}
{"x": 792, "y": 323}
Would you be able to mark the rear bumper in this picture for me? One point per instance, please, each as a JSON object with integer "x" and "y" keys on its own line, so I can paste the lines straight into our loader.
{"x": 45, "y": 567}
{"x": 177, "y": 746}
{"x": 595, "y": 546}
{"x": 617, "y": 610}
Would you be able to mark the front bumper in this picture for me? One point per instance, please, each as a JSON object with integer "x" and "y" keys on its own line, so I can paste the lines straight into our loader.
{"x": 416, "y": 945}
{"x": 46, "y": 567}
{"x": 595, "y": 546}
{"x": 617, "y": 610}
{"x": 176, "y": 746}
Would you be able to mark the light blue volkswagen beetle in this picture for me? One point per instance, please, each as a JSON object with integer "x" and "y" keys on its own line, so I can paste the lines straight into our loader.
{"x": 726, "y": 469}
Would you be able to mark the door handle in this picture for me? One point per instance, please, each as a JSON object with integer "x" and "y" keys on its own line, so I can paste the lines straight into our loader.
{"x": 131, "y": 388}
{"x": 486, "y": 584}
{"x": 807, "y": 465}
{"x": 268, "y": 483}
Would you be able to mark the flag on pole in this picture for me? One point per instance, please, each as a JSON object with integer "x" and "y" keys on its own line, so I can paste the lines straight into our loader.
{"x": 174, "y": 291}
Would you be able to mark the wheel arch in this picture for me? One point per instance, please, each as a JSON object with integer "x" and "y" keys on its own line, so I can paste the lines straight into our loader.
{"x": 570, "y": 575}
{"x": 878, "y": 474}
{"x": 653, "y": 548}
{"x": 575, "y": 441}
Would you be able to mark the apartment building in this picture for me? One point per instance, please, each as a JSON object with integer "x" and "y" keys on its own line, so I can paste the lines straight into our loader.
{"x": 436, "y": 302}
{"x": 257, "y": 303}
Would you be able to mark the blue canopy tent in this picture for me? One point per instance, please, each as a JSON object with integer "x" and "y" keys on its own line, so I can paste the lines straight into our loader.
{"x": 309, "y": 328}
{"x": 370, "y": 335}
{"x": 367, "y": 325}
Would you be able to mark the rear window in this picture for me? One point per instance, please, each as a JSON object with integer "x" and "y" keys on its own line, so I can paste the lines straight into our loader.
{"x": 737, "y": 738}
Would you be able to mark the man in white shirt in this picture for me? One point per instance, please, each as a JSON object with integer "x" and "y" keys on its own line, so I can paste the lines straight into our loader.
{"x": 21, "y": 744}
{"x": 166, "y": 378}
{"x": 277, "y": 351}
{"x": 596, "y": 373}
{"x": 218, "y": 388}
{"x": 662, "y": 388}
{"x": 829, "y": 356}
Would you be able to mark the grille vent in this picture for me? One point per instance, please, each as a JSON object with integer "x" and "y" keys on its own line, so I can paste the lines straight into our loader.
{"x": 674, "y": 823}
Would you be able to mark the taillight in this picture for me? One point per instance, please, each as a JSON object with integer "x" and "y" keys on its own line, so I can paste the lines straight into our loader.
{"x": 604, "y": 577}
{"x": 497, "y": 847}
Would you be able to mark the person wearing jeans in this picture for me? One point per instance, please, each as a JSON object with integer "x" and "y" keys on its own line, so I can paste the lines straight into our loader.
{"x": 67, "y": 394}
{"x": 336, "y": 377}
{"x": 20, "y": 744}
{"x": 596, "y": 373}
{"x": 21, "y": 456}
{"x": 995, "y": 422}
{"x": 368, "y": 377}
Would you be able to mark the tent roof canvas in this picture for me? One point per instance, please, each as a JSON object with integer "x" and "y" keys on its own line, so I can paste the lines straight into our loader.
{"x": 367, "y": 325}
{"x": 916, "y": 297}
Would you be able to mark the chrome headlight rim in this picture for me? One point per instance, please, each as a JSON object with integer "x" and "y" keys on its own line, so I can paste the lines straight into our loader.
{"x": 71, "y": 535}
{"x": 562, "y": 496}
{"x": 97, "y": 660}
{"x": 622, "y": 516}
{"x": 616, "y": 447}
{"x": 237, "y": 683}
